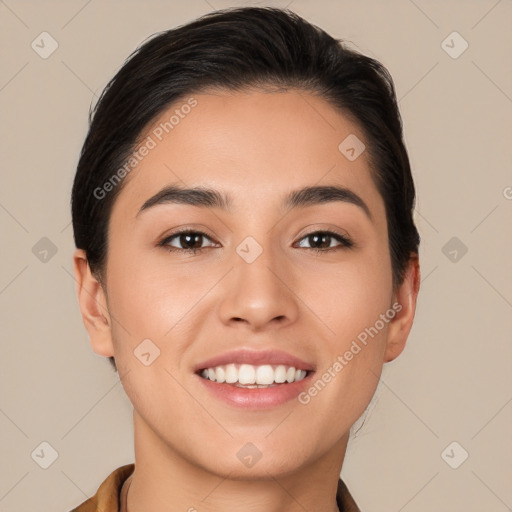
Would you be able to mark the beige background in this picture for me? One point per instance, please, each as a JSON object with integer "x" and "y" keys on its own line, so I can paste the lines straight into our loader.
{"x": 452, "y": 383}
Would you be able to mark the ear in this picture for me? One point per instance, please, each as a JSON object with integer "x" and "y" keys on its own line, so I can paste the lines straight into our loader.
{"x": 405, "y": 300}
{"x": 93, "y": 306}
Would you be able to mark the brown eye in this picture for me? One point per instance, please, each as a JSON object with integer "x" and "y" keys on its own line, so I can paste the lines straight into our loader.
{"x": 322, "y": 241}
{"x": 187, "y": 241}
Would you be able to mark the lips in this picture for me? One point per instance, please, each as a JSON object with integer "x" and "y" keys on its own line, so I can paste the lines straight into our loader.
{"x": 253, "y": 380}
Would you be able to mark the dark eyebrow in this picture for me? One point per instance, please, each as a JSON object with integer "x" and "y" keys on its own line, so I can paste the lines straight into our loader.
{"x": 197, "y": 196}
{"x": 210, "y": 198}
{"x": 310, "y": 196}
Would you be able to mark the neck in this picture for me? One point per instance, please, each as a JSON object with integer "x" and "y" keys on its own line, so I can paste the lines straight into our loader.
{"x": 164, "y": 480}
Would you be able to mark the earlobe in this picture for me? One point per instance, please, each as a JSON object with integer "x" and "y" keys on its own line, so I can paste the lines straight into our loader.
{"x": 93, "y": 306}
{"x": 405, "y": 296}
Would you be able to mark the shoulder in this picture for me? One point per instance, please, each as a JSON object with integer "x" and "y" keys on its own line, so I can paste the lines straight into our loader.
{"x": 344, "y": 499}
{"x": 106, "y": 498}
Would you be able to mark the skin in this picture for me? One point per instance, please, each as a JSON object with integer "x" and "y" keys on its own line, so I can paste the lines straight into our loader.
{"x": 257, "y": 146}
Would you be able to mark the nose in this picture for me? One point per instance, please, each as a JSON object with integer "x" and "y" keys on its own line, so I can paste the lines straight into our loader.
{"x": 259, "y": 294}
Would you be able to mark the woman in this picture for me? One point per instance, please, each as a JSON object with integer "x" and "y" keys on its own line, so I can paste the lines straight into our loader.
{"x": 247, "y": 259}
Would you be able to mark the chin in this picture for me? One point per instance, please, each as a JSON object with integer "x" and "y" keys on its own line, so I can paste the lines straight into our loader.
{"x": 260, "y": 471}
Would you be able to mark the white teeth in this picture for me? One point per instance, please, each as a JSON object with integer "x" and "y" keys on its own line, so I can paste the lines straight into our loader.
{"x": 265, "y": 374}
{"x": 247, "y": 375}
{"x": 231, "y": 374}
{"x": 280, "y": 374}
{"x": 220, "y": 374}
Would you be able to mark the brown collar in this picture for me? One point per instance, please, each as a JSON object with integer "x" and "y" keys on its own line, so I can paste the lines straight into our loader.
{"x": 112, "y": 494}
{"x": 123, "y": 496}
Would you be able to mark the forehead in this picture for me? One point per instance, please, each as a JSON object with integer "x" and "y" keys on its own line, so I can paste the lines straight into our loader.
{"x": 254, "y": 145}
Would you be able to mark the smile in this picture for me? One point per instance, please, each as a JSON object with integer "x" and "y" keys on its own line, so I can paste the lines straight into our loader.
{"x": 251, "y": 376}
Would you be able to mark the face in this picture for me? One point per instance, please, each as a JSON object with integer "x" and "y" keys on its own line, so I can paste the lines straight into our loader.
{"x": 257, "y": 283}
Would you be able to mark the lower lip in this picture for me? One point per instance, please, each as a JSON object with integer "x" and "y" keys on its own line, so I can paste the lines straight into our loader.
{"x": 256, "y": 398}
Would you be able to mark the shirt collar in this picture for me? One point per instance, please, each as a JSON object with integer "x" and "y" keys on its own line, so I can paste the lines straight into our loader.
{"x": 108, "y": 495}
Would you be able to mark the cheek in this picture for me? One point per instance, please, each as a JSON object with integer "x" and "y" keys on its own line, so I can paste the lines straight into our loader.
{"x": 349, "y": 299}
{"x": 156, "y": 302}
{"x": 355, "y": 307}
{"x": 147, "y": 295}
{"x": 346, "y": 381}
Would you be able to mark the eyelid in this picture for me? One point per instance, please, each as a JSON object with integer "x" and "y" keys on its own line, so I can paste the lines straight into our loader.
{"x": 345, "y": 241}
{"x": 189, "y": 228}
{"x": 322, "y": 227}
{"x": 164, "y": 241}
{"x": 312, "y": 229}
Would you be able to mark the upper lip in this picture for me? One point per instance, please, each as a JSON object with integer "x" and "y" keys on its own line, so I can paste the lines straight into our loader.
{"x": 255, "y": 357}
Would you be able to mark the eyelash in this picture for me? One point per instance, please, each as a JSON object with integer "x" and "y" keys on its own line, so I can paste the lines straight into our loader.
{"x": 345, "y": 242}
